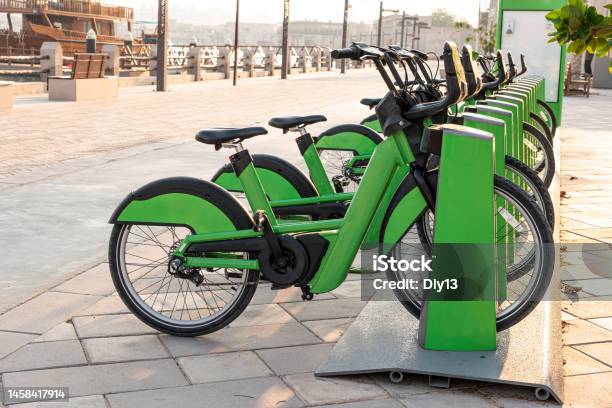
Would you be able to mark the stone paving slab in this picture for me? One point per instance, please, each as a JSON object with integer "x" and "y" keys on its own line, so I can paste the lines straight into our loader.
{"x": 128, "y": 348}
{"x": 379, "y": 403}
{"x": 96, "y": 281}
{"x": 241, "y": 338}
{"x": 266, "y": 392}
{"x": 600, "y": 351}
{"x": 110, "y": 326}
{"x": 45, "y": 311}
{"x": 582, "y": 331}
{"x": 92, "y": 401}
{"x": 44, "y": 355}
{"x": 12, "y": 341}
{"x": 295, "y": 360}
{"x": 223, "y": 367}
{"x": 595, "y": 287}
{"x": 590, "y": 308}
{"x": 456, "y": 399}
{"x": 587, "y": 391}
{"x": 325, "y": 309}
{"x": 577, "y": 362}
{"x": 605, "y": 322}
{"x": 256, "y": 315}
{"x": 264, "y": 295}
{"x": 349, "y": 289}
{"x": 63, "y": 331}
{"x": 106, "y": 306}
{"x": 329, "y": 330}
{"x": 102, "y": 379}
{"x": 318, "y": 390}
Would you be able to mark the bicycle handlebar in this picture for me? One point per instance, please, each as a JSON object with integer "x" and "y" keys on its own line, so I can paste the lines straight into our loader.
{"x": 357, "y": 51}
{"x": 456, "y": 87}
{"x": 474, "y": 82}
{"x": 349, "y": 52}
{"x": 409, "y": 58}
{"x": 501, "y": 72}
{"x": 523, "y": 65}
{"x": 512, "y": 73}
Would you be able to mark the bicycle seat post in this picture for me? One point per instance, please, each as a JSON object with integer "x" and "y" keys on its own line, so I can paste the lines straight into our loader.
{"x": 309, "y": 152}
{"x": 236, "y": 145}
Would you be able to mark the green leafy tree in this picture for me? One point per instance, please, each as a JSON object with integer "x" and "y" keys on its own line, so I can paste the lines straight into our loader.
{"x": 582, "y": 28}
{"x": 442, "y": 18}
{"x": 486, "y": 36}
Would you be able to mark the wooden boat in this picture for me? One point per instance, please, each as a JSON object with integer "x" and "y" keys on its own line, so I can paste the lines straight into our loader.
{"x": 64, "y": 21}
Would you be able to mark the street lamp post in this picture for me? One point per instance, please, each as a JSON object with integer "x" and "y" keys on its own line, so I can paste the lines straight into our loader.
{"x": 414, "y": 26}
{"x": 403, "y": 29}
{"x": 380, "y": 16}
{"x": 344, "y": 34}
{"x": 421, "y": 25}
{"x": 413, "y": 20}
{"x": 236, "y": 42}
{"x": 162, "y": 45}
{"x": 285, "y": 45}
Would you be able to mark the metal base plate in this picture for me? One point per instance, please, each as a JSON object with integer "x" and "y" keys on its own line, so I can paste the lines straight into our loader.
{"x": 383, "y": 338}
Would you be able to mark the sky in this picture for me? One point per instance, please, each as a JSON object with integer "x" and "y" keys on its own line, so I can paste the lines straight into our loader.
{"x": 211, "y": 12}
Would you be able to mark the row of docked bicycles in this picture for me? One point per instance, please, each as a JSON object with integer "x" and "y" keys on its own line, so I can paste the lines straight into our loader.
{"x": 186, "y": 256}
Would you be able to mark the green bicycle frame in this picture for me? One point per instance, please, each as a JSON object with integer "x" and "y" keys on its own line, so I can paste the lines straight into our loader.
{"x": 387, "y": 166}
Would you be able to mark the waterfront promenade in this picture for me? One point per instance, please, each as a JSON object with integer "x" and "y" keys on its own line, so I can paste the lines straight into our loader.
{"x": 65, "y": 166}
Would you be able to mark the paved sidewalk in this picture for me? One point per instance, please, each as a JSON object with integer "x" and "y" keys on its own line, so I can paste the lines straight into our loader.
{"x": 586, "y": 229}
{"x": 38, "y": 133}
{"x": 79, "y": 334}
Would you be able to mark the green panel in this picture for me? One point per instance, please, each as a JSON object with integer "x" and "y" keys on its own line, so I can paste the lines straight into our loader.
{"x": 178, "y": 209}
{"x": 221, "y": 263}
{"x": 255, "y": 194}
{"x": 349, "y": 141}
{"x": 275, "y": 186}
{"x": 404, "y": 214}
{"x": 372, "y": 238}
{"x": 503, "y": 114}
{"x": 314, "y": 200}
{"x": 229, "y": 181}
{"x": 512, "y": 144}
{"x": 309, "y": 226}
{"x": 374, "y": 125}
{"x": 465, "y": 221}
{"x": 498, "y": 129}
{"x": 337, "y": 261}
{"x": 536, "y": 5}
{"x": 317, "y": 171}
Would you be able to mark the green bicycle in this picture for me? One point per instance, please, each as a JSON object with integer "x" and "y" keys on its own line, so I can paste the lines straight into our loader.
{"x": 337, "y": 158}
{"x": 498, "y": 85}
{"x": 186, "y": 257}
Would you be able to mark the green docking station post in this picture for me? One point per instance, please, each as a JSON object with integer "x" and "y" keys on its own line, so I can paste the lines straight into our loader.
{"x": 463, "y": 319}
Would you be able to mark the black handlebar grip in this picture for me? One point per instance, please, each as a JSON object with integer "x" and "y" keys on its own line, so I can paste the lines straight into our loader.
{"x": 349, "y": 52}
{"x": 511, "y": 67}
{"x": 420, "y": 54}
{"x": 523, "y": 65}
{"x": 501, "y": 68}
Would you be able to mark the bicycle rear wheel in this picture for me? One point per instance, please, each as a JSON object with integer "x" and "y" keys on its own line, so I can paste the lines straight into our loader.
{"x": 528, "y": 275}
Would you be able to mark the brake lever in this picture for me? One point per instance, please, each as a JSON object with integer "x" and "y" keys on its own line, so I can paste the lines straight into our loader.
{"x": 389, "y": 56}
